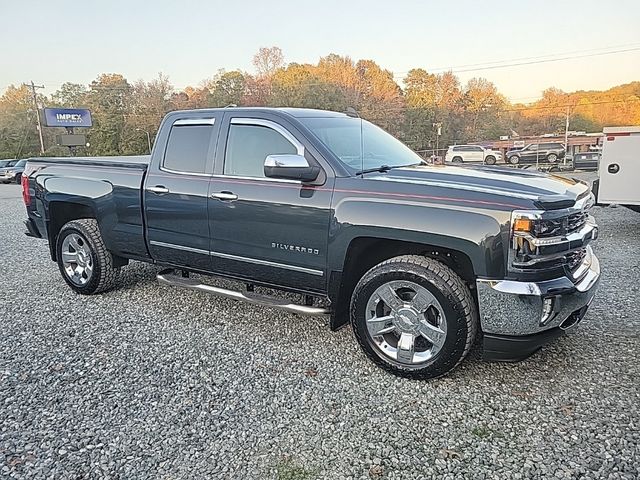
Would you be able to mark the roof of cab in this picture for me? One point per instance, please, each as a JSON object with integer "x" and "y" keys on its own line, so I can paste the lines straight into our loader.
{"x": 294, "y": 112}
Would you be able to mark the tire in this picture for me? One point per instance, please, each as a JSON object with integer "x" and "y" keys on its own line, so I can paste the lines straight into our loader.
{"x": 92, "y": 257}
{"x": 18, "y": 178}
{"x": 552, "y": 158}
{"x": 456, "y": 160}
{"x": 514, "y": 160}
{"x": 456, "y": 317}
{"x": 490, "y": 160}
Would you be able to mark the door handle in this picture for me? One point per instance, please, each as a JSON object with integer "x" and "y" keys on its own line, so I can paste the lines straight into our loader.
{"x": 159, "y": 189}
{"x": 226, "y": 196}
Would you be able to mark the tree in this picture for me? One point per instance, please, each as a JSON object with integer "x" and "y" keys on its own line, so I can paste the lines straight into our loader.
{"x": 69, "y": 95}
{"x": 483, "y": 104}
{"x": 109, "y": 98}
{"x": 381, "y": 99}
{"x": 18, "y": 134}
{"x": 267, "y": 60}
{"x": 227, "y": 88}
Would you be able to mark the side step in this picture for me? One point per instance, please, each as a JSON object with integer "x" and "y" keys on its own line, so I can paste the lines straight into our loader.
{"x": 168, "y": 277}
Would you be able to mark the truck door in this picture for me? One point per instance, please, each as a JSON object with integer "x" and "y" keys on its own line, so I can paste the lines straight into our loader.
{"x": 176, "y": 192}
{"x": 269, "y": 230}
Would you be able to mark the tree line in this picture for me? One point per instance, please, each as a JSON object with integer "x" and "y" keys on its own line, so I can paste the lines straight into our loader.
{"x": 429, "y": 109}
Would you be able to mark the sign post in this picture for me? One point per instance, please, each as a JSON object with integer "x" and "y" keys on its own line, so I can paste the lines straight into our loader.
{"x": 68, "y": 118}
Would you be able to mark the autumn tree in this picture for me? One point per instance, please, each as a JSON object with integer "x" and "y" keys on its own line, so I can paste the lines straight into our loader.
{"x": 18, "y": 134}
{"x": 227, "y": 88}
{"x": 483, "y": 105}
{"x": 109, "y": 99}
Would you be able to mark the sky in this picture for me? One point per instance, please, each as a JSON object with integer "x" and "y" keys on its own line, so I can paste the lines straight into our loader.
{"x": 52, "y": 42}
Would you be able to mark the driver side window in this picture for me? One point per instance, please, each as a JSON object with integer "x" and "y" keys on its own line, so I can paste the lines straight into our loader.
{"x": 249, "y": 145}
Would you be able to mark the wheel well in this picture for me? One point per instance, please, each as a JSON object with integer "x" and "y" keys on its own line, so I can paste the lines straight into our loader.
{"x": 61, "y": 213}
{"x": 366, "y": 252}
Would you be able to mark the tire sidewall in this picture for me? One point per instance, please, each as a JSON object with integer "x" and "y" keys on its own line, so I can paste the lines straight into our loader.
{"x": 457, "y": 329}
{"x": 92, "y": 284}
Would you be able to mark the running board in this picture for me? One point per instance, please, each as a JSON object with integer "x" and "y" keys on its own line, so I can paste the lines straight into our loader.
{"x": 168, "y": 277}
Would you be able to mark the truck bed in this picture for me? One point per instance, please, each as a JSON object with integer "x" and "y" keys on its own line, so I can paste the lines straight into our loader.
{"x": 106, "y": 188}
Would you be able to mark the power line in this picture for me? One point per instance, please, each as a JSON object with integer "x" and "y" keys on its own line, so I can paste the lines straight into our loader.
{"x": 531, "y": 60}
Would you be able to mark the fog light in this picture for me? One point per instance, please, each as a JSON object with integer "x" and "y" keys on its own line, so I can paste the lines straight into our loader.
{"x": 548, "y": 305}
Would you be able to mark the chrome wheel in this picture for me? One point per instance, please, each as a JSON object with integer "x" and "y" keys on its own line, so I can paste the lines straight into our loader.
{"x": 553, "y": 158}
{"x": 406, "y": 322}
{"x": 76, "y": 259}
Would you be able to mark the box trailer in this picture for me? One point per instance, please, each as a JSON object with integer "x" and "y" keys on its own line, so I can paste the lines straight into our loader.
{"x": 619, "y": 174}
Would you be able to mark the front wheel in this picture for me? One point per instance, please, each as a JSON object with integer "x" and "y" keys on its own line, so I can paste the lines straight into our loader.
{"x": 490, "y": 160}
{"x": 552, "y": 158}
{"x": 414, "y": 317}
{"x": 84, "y": 261}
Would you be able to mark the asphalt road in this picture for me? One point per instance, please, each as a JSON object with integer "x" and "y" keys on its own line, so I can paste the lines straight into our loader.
{"x": 150, "y": 382}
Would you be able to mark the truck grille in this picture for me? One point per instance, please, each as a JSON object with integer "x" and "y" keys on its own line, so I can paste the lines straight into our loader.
{"x": 561, "y": 226}
{"x": 574, "y": 259}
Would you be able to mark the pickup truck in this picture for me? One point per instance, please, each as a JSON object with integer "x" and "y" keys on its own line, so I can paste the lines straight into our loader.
{"x": 420, "y": 259}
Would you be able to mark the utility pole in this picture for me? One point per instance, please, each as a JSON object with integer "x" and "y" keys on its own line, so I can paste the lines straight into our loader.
{"x": 33, "y": 87}
{"x": 566, "y": 137}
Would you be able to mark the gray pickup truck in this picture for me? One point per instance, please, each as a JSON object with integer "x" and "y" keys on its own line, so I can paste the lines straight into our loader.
{"x": 420, "y": 259}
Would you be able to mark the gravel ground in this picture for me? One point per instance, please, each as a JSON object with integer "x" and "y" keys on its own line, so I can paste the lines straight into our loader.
{"x": 150, "y": 382}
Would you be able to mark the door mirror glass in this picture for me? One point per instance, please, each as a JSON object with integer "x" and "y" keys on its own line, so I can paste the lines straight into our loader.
{"x": 290, "y": 167}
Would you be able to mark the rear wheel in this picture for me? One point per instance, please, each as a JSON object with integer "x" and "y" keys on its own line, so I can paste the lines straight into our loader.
{"x": 414, "y": 317}
{"x": 490, "y": 160}
{"x": 83, "y": 259}
{"x": 456, "y": 160}
{"x": 514, "y": 160}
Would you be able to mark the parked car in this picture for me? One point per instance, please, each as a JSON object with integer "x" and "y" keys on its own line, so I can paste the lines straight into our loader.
{"x": 418, "y": 258}
{"x": 537, "y": 152}
{"x": 586, "y": 160}
{"x": 12, "y": 172}
{"x": 472, "y": 154}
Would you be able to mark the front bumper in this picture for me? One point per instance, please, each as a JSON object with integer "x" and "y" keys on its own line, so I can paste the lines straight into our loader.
{"x": 531, "y": 313}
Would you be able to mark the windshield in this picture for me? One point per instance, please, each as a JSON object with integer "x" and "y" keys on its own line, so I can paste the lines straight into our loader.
{"x": 371, "y": 150}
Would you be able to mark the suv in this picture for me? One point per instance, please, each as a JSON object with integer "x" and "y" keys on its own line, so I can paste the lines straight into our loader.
{"x": 471, "y": 153}
{"x": 12, "y": 171}
{"x": 536, "y": 152}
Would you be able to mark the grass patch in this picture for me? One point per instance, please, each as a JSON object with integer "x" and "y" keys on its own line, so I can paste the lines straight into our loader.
{"x": 288, "y": 470}
{"x": 482, "y": 431}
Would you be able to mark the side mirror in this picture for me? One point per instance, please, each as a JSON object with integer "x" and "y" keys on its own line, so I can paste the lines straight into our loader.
{"x": 290, "y": 167}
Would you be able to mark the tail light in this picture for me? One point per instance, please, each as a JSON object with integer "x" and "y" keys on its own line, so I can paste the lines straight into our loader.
{"x": 26, "y": 194}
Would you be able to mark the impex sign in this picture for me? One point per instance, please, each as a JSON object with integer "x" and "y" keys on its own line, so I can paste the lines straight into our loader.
{"x": 67, "y": 117}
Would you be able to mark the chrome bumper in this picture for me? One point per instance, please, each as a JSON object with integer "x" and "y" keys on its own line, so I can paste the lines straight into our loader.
{"x": 523, "y": 308}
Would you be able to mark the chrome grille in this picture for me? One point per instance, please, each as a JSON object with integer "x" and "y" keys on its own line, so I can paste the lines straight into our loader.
{"x": 561, "y": 226}
{"x": 574, "y": 259}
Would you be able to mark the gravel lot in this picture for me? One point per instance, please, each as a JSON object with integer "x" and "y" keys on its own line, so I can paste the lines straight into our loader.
{"x": 151, "y": 382}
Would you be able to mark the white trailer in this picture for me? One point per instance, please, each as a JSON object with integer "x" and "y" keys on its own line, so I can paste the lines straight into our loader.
{"x": 619, "y": 172}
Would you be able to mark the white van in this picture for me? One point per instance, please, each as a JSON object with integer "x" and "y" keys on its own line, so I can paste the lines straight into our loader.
{"x": 619, "y": 173}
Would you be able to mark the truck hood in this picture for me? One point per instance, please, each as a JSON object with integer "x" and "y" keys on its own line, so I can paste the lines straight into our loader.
{"x": 547, "y": 192}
